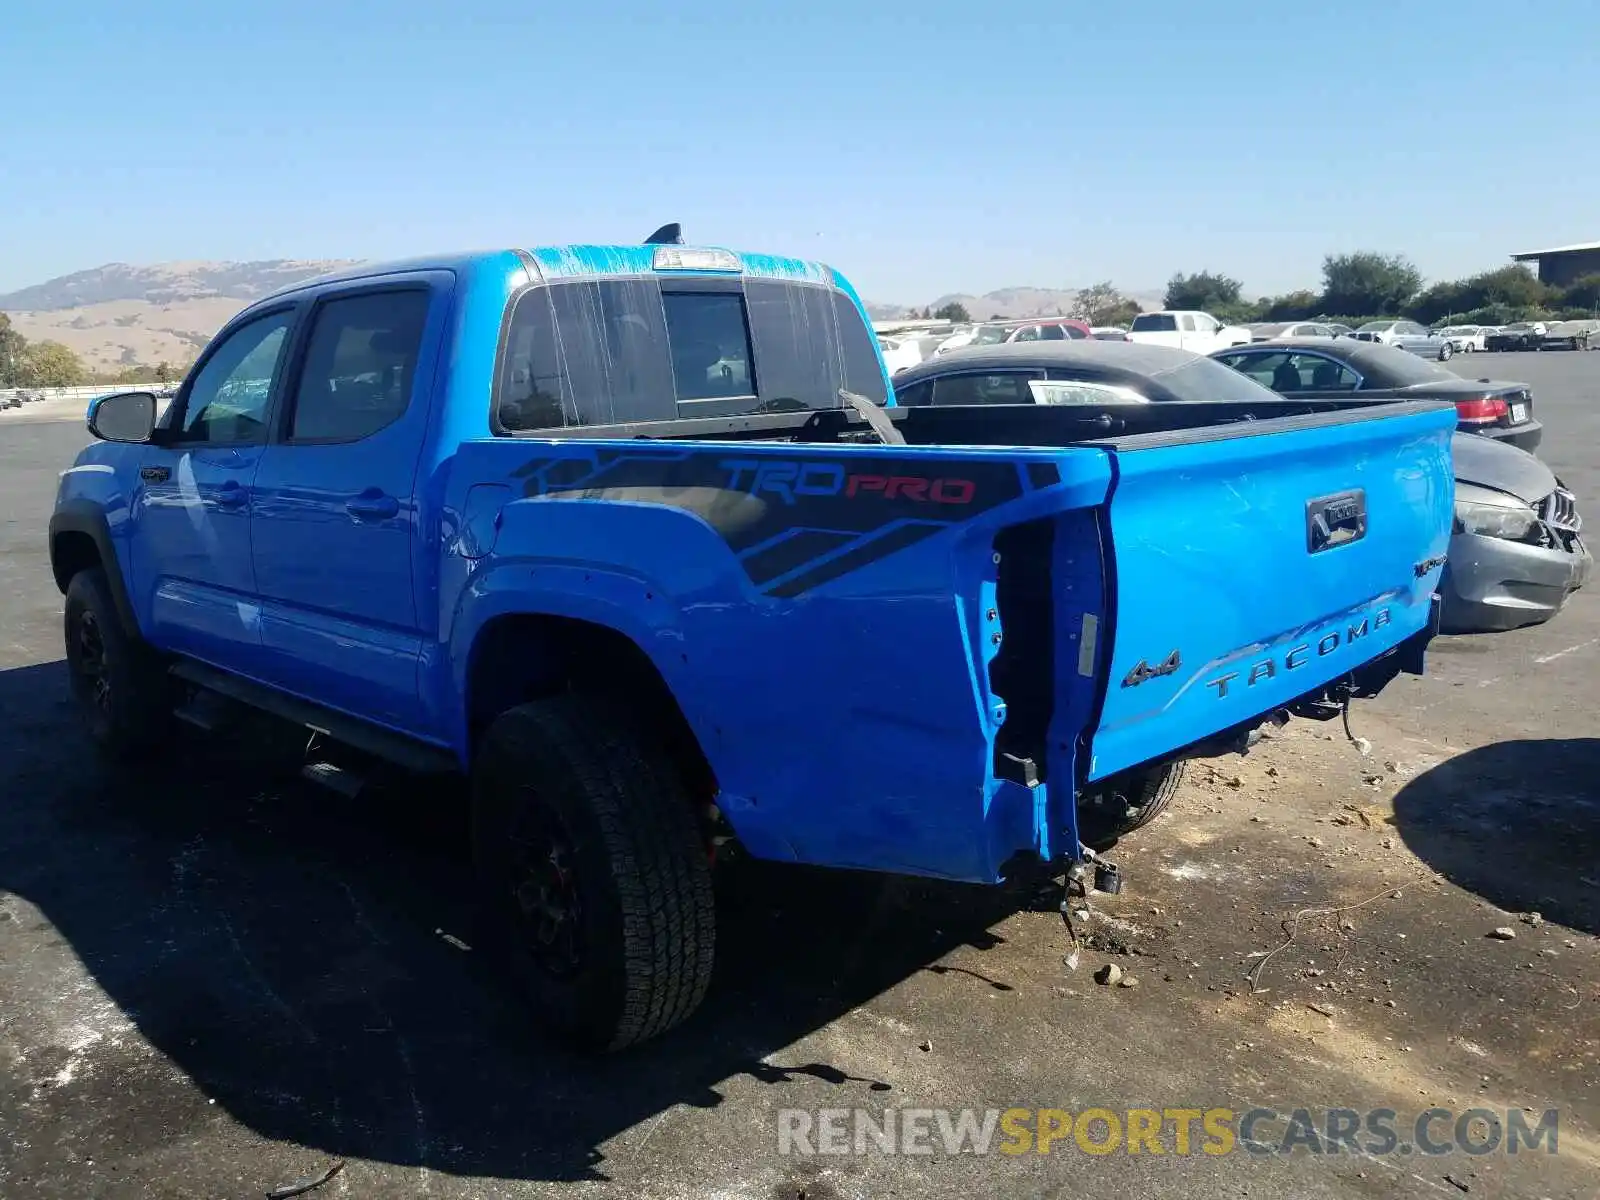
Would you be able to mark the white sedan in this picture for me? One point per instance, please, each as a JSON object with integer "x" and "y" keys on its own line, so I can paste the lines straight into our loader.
{"x": 1467, "y": 339}
{"x": 899, "y": 353}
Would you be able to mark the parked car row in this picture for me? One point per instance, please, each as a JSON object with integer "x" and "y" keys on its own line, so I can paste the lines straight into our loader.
{"x": 1516, "y": 553}
{"x": 1572, "y": 335}
{"x": 1201, "y": 333}
{"x": 18, "y": 398}
{"x": 1446, "y": 340}
{"x": 1263, "y": 331}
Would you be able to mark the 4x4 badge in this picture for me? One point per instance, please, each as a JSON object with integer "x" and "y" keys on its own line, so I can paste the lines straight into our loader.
{"x": 1143, "y": 671}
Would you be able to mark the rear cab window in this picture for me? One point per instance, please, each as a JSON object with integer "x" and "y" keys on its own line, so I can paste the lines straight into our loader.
{"x": 615, "y": 351}
{"x": 1154, "y": 323}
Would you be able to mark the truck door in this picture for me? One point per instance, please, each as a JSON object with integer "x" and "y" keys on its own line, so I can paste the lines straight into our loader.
{"x": 1188, "y": 338}
{"x": 336, "y": 519}
{"x": 190, "y": 541}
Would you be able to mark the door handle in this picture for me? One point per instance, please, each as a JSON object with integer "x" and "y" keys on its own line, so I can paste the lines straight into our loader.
{"x": 373, "y": 505}
{"x": 231, "y": 495}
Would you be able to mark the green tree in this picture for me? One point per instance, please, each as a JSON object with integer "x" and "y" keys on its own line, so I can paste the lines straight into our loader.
{"x": 1102, "y": 304}
{"x": 163, "y": 372}
{"x": 1368, "y": 282}
{"x": 1292, "y": 306}
{"x": 12, "y": 348}
{"x": 952, "y": 312}
{"x": 1582, "y": 293}
{"x": 1514, "y": 286}
{"x": 1441, "y": 301}
{"x": 50, "y": 364}
{"x": 1204, "y": 290}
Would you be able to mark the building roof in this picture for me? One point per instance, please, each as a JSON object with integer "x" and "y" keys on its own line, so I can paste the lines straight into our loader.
{"x": 1531, "y": 254}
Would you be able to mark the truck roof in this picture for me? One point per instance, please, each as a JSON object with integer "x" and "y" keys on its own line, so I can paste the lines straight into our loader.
{"x": 598, "y": 261}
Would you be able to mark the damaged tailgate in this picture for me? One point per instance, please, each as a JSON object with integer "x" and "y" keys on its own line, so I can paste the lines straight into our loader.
{"x": 1255, "y": 562}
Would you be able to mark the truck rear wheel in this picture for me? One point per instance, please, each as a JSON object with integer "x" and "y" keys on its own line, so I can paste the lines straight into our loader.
{"x": 122, "y": 687}
{"x": 1130, "y": 801}
{"x": 593, "y": 871}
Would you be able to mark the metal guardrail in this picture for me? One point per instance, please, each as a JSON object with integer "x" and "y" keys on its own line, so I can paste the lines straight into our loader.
{"x": 85, "y": 392}
{"x": 13, "y": 398}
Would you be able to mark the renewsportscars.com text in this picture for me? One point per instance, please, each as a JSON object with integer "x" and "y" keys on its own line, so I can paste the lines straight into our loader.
{"x": 1177, "y": 1131}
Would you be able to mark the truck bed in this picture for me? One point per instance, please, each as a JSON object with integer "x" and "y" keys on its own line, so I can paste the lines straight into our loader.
{"x": 1041, "y": 596}
{"x": 988, "y": 425}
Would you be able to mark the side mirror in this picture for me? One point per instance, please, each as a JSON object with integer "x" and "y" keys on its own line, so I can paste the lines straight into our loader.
{"x": 123, "y": 417}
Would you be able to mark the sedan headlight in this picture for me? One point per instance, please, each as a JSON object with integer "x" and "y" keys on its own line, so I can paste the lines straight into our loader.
{"x": 1512, "y": 522}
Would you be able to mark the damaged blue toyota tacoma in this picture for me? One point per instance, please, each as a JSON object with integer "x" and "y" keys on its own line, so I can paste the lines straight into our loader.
{"x": 636, "y": 538}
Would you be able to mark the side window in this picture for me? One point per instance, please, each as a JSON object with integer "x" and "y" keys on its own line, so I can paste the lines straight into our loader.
{"x": 1323, "y": 374}
{"x": 1053, "y": 333}
{"x": 1073, "y": 334}
{"x": 1186, "y": 323}
{"x": 229, "y": 398}
{"x": 360, "y": 363}
{"x": 915, "y": 395}
{"x": 1263, "y": 368}
{"x": 1005, "y": 388}
{"x": 1028, "y": 333}
{"x": 1077, "y": 391}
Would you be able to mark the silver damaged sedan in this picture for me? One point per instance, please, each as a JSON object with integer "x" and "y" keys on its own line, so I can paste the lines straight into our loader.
{"x": 1516, "y": 554}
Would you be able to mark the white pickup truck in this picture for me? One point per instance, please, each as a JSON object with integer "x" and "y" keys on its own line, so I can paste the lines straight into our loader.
{"x": 1187, "y": 330}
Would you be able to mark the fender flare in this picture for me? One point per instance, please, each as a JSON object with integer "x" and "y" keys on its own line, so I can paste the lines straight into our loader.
{"x": 85, "y": 517}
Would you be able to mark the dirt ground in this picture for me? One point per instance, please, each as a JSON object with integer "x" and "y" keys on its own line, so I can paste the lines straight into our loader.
{"x": 214, "y": 982}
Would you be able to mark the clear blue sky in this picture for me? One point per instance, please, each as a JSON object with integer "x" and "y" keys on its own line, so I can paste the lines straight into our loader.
{"x": 920, "y": 147}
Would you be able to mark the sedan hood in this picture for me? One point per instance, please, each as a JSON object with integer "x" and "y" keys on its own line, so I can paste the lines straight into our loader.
{"x": 1493, "y": 464}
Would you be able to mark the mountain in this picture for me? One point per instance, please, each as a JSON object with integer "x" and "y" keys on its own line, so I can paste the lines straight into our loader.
{"x": 166, "y": 283}
{"x": 1005, "y": 304}
{"x": 120, "y": 315}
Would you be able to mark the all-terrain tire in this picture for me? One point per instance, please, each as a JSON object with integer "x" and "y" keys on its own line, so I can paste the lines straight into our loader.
{"x": 122, "y": 687}
{"x": 1135, "y": 800}
{"x": 629, "y": 887}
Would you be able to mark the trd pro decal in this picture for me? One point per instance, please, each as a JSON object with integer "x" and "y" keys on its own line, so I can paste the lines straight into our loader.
{"x": 795, "y": 521}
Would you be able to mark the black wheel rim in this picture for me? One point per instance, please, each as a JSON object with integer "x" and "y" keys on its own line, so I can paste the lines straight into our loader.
{"x": 91, "y": 663}
{"x": 547, "y": 901}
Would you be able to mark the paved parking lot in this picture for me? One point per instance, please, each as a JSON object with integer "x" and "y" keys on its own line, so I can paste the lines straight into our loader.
{"x": 214, "y": 982}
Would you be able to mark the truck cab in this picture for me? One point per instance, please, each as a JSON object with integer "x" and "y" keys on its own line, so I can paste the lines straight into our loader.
{"x": 1198, "y": 332}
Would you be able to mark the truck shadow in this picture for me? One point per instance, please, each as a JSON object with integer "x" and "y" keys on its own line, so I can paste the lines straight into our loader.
{"x": 1517, "y": 822}
{"x": 286, "y": 950}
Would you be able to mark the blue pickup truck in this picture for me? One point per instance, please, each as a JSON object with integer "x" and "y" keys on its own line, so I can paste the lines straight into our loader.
{"x": 636, "y": 538}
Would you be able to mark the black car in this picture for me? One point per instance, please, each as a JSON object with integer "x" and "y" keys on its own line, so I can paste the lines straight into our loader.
{"x": 1523, "y": 335}
{"x": 1087, "y": 372}
{"x": 1306, "y": 369}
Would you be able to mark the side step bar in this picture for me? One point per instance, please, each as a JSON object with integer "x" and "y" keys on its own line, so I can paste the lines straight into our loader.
{"x": 371, "y": 739}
